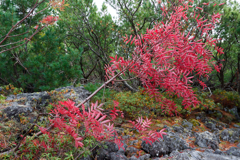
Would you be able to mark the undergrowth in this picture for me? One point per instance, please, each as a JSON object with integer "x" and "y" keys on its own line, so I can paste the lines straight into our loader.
{"x": 133, "y": 105}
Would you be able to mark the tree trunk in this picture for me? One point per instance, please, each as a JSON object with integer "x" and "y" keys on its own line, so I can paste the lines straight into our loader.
{"x": 221, "y": 78}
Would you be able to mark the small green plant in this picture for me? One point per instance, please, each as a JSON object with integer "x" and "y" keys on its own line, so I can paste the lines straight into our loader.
{"x": 9, "y": 89}
{"x": 2, "y": 99}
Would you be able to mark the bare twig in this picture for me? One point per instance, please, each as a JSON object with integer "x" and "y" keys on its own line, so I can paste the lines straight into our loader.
{"x": 210, "y": 92}
{"x": 126, "y": 79}
{"x": 104, "y": 84}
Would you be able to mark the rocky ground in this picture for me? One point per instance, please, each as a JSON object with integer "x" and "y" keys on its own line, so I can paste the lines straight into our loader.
{"x": 197, "y": 138}
{"x": 184, "y": 141}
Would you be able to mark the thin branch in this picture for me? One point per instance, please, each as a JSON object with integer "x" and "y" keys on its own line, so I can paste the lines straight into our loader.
{"x": 11, "y": 43}
{"x": 126, "y": 79}
{"x": 27, "y": 40}
{"x": 19, "y": 34}
{"x": 35, "y": 5}
{"x": 104, "y": 84}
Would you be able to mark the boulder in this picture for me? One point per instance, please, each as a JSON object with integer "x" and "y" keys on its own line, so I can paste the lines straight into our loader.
{"x": 187, "y": 125}
{"x": 230, "y": 134}
{"x": 196, "y": 155}
{"x": 234, "y": 151}
{"x": 169, "y": 143}
{"x": 206, "y": 139}
{"x": 26, "y": 103}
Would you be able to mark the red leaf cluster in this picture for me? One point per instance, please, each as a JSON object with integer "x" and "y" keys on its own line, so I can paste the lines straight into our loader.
{"x": 168, "y": 57}
{"x": 68, "y": 119}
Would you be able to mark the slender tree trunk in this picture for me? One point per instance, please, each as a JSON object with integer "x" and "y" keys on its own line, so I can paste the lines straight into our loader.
{"x": 237, "y": 79}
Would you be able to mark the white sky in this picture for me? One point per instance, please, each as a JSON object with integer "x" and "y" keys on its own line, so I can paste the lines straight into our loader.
{"x": 111, "y": 10}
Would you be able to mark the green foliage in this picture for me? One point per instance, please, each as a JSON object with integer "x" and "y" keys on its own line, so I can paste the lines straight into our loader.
{"x": 48, "y": 65}
{"x": 226, "y": 98}
{"x": 142, "y": 104}
{"x": 227, "y": 30}
{"x": 206, "y": 103}
{"x": 103, "y": 95}
{"x": 135, "y": 104}
{"x": 2, "y": 99}
{"x": 92, "y": 30}
{"x": 46, "y": 62}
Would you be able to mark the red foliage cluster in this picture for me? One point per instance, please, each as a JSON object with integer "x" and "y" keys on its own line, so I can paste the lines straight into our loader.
{"x": 167, "y": 57}
{"x": 69, "y": 119}
{"x": 93, "y": 120}
{"x": 142, "y": 126}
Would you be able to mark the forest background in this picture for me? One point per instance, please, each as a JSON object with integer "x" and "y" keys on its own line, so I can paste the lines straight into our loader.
{"x": 77, "y": 48}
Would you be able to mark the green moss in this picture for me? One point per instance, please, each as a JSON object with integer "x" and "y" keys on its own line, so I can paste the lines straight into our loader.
{"x": 230, "y": 132}
{"x": 194, "y": 122}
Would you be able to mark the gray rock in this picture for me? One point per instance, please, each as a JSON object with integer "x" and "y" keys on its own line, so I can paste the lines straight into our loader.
{"x": 231, "y": 135}
{"x": 206, "y": 139}
{"x": 210, "y": 125}
{"x": 237, "y": 126}
{"x": 26, "y": 103}
{"x": 178, "y": 129}
{"x": 238, "y": 145}
{"x": 187, "y": 125}
{"x": 111, "y": 147}
{"x": 14, "y": 111}
{"x": 131, "y": 151}
{"x": 78, "y": 94}
{"x": 156, "y": 149}
{"x": 133, "y": 142}
{"x": 169, "y": 143}
{"x": 123, "y": 148}
{"x": 168, "y": 129}
{"x": 201, "y": 116}
{"x": 234, "y": 112}
{"x": 218, "y": 151}
{"x": 209, "y": 151}
{"x": 233, "y": 151}
{"x": 144, "y": 157}
{"x": 102, "y": 154}
{"x": 133, "y": 158}
{"x": 196, "y": 155}
{"x": 117, "y": 156}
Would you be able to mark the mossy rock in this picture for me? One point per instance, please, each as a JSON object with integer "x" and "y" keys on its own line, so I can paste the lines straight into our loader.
{"x": 230, "y": 132}
{"x": 194, "y": 122}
